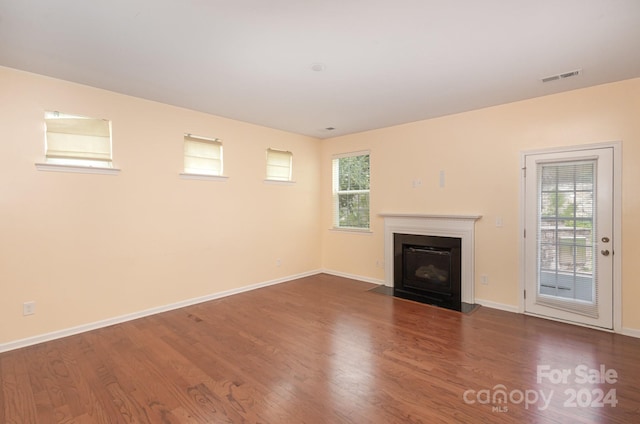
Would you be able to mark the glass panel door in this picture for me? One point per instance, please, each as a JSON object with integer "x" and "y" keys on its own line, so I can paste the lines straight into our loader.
{"x": 568, "y": 217}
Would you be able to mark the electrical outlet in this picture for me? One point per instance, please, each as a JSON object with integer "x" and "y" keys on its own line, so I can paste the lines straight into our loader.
{"x": 29, "y": 308}
{"x": 278, "y": 262}
{"x": 484, "y": 280}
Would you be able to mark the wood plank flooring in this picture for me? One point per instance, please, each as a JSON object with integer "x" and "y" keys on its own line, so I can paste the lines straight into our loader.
{"x": 322, "y": 349}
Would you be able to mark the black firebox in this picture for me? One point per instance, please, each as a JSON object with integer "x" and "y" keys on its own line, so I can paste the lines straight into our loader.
{"x": 427, "y": 269}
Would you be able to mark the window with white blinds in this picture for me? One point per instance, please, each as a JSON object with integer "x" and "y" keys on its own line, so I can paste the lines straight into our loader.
{"x": 351, "y": 184}
{"x": 567, "y": 278}
{"x": 77, "y": 140}
{"x": 279, "y": 165}
{"x": 202, "y": 156}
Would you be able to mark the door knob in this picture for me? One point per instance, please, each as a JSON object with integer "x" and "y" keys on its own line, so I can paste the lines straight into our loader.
{"x": 605, "y": 252}
{"x": 605, "y": 239}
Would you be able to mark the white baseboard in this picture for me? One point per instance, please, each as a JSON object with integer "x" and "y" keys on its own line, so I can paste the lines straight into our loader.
{"x": 29, "y": 341}
{"x": 631, "y": 332}
{"x": 352, "y": 276}
{"x": 500, "y": 306}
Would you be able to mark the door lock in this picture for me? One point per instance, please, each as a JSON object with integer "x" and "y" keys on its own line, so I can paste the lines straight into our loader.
{"x": 605, "y": 239}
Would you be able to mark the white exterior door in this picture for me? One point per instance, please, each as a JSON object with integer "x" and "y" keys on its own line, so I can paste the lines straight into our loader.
{"x": 568, "y": 236}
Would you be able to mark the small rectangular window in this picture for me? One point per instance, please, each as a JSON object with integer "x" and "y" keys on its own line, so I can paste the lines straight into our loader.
{"x": 351, "y": 176}
{"x": 202, "y": 155}
{"x": 77, "y": 140}
{"x": 279, "y": 165}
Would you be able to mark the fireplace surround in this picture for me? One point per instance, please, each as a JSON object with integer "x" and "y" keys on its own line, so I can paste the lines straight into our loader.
{"x": 444, "y": 226}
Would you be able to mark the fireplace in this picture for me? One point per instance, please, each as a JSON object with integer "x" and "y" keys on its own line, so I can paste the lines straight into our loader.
{"x": 428, "y": 269}
{"x": 441, "y": 231}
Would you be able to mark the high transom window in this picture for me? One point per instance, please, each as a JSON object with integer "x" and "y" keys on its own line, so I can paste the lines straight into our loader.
{"x": 202, "y": 156}
{"x": 279, "y": 165}
{"x": 77, "y": 140}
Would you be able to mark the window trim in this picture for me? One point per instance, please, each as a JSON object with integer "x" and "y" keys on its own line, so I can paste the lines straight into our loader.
{"x": 279, "y": 182}
{"x": 204, "y": 177}
{"x": 78, "y": 169}
{"x": 354, "y": 230}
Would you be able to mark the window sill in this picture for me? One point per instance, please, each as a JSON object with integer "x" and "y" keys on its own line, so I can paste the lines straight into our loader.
{"x": 279, "y": 182}
{"x": 365, "y": 231}
{"x": 77, "y": 169}
{"x": 203, "y": 177}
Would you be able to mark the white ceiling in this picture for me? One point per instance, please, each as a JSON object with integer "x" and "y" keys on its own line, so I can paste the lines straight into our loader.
{"x": 384, "y": 62}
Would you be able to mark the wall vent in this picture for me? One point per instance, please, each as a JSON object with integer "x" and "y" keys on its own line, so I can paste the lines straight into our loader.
{"x": 562, "y": 76}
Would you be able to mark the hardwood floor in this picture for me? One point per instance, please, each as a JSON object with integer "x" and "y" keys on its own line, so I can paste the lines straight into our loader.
{"x": 322, "y": 349}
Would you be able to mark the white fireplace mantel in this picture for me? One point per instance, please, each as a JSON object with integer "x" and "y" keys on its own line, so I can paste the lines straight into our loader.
{"x": 458, "y": 226}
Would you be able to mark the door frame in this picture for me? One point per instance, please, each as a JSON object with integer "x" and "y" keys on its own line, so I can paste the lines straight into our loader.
{"x": 617, "y": 229}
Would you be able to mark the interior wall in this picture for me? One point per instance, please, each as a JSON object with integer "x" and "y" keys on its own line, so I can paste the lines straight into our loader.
{"x": 91, "y": 247}
{"x": 479, "y": 152}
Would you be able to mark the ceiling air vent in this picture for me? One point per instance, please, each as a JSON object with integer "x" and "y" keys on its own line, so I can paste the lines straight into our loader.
{"x": 562, "y": 76}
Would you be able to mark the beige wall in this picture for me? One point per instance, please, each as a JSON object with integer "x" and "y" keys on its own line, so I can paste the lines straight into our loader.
{"x": 92, "y": 247}
{"x": 480, "y": 154}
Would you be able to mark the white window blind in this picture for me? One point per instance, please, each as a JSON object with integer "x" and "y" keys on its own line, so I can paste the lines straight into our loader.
{"x": 567, "y": 278}
{"x": 279, "y": 165}
{"x": 77, "y": 140}
{"x": 202, "y": 155}
{"x": 351, "y": 184}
